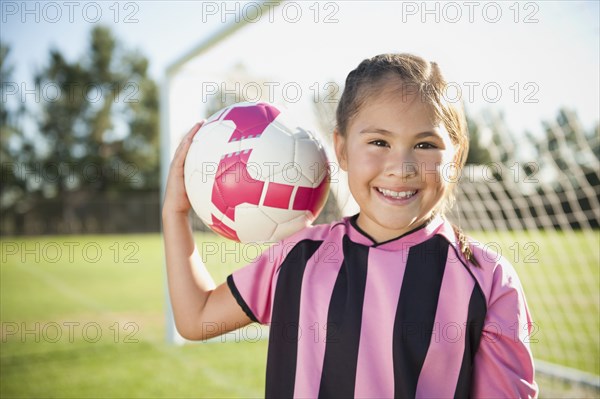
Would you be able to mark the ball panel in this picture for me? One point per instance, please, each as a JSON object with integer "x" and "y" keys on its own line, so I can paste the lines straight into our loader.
{"x": 233, "y": 185}
{"x": 281, "y": 216}
{"x": 310, "y": 155}
{"x": 288, "y": 228}
{"x": 312, "y": 199}
{"x": 251, "y": 121}
{"x": 217, "y": 140}
{"x": 275, "y": 224}
{"x": 278, "y": 195}
{"x": 272, "y": 152}
{"x": 291, "y": 175}
{"x": 199, "y": 194}
{"x": 210, "y": 144}
{"x": 252, "y": 225}
{"x": 288, "y": 124}
{"x": 220, "y": 228}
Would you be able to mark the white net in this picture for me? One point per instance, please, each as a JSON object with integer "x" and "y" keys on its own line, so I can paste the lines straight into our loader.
{"x": 543, "y": 215}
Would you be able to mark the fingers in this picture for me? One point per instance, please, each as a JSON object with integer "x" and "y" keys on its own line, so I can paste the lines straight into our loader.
{"x": 190, "y": 135}
{"x": 185, "y": 143}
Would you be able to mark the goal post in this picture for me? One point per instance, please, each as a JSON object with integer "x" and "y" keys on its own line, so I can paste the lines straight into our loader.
{"x": 171, "y": 128}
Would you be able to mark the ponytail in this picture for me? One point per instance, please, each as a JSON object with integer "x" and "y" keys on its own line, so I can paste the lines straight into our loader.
{"x": 464, "y": 246}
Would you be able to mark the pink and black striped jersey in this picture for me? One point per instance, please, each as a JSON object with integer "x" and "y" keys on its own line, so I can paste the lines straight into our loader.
{"x": 405, "y": 318}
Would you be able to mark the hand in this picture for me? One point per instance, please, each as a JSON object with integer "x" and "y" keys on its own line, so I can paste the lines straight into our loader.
{"x": 176, "y": 199}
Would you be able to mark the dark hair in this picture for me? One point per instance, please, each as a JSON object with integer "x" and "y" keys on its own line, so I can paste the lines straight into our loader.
{"x": 409, "y": 74}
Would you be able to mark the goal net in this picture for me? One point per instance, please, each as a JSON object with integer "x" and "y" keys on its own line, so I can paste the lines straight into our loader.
{"x": 542, "y": 214}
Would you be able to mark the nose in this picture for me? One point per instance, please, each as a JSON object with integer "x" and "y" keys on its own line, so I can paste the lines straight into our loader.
{"x": 401, "y": 164}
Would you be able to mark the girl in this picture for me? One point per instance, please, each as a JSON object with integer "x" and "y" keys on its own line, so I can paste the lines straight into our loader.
{"x": 392, "y": 302}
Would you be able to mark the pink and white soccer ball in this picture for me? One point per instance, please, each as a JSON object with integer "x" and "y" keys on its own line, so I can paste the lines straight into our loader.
{"x": 253, "y": 176}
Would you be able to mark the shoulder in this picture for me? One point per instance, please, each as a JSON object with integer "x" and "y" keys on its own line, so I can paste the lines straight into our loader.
{"x": 496, "y": 274}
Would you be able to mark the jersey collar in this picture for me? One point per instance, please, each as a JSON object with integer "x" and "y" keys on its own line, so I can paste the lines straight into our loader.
{"x": 437, "y": 225}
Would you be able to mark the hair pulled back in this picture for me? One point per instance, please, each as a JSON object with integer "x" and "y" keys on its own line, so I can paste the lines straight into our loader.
{"x": 409, "y": 74}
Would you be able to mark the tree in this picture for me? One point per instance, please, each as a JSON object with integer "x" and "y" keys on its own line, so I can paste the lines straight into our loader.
{"x": 478, "y": 154}
{"x": 102, "y": 128}
{"x": 96, "y": 139}
{"x": 15, "y": 147}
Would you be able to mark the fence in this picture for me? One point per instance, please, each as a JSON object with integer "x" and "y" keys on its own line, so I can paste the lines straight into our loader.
{"x": 85, "y": 213}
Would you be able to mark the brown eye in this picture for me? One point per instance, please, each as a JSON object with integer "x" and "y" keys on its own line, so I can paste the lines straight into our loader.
{"x": 379, "y": 143}
{"x": 425, "y": 146}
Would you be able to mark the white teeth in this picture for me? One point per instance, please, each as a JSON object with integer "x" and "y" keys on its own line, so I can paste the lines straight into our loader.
{"x": 396, "y": 194}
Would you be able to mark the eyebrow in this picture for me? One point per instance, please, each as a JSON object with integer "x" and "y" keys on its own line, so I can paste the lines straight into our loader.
{"x": 388, "y": 133}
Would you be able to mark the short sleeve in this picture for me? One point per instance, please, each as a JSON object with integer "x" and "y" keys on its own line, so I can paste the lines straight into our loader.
{"x": 253, "y": 285}
{"x": 503, "y": 365}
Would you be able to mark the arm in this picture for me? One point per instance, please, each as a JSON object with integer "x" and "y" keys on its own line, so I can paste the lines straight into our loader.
{"x": 201, "y": 311}
{"x": 503, "y": 365}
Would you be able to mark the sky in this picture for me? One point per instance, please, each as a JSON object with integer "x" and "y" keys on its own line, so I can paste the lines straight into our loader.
{"x": 526, "y": 59}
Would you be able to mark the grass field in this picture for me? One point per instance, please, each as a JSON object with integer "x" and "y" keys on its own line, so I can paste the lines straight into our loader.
{"x": 560, "y": 273}
{"x": 84, "y": 317}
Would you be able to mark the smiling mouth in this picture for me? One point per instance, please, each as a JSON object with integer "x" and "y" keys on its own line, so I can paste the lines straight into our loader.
{"x": 396, "y": 194}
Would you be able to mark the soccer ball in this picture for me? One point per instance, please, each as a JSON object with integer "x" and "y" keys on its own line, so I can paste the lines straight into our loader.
{"x": 253, "y": 176}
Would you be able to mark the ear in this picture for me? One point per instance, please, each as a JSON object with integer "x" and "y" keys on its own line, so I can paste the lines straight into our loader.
{"x": 339, "y": 142}
{"x": 453, "y": 174}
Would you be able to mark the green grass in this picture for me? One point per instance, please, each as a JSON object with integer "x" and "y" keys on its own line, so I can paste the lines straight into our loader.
{"x": 120, "y": 290}
{"x": 121, "y": 296}
{"x": 560, "y": 273}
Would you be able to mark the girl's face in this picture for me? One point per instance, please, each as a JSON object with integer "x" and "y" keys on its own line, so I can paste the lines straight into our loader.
{"x": 399, "y": 161}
